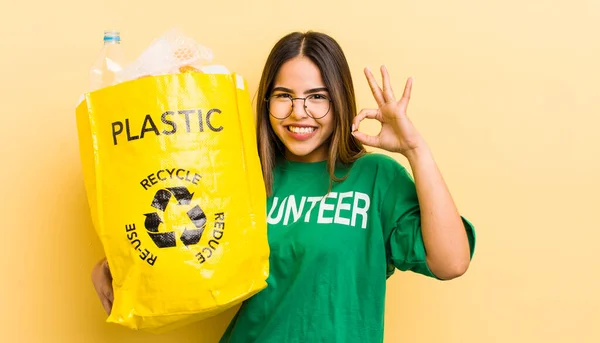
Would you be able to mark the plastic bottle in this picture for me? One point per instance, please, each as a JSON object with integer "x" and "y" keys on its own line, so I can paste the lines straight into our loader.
{"x": 110, "y": 61}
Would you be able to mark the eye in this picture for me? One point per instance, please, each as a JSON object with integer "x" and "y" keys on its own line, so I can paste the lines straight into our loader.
{"x": 282, "y": 96}
{"x": 319, "y": 97}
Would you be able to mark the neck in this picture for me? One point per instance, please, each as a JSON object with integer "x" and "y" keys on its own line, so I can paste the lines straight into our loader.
{"x": 318, "y": 155}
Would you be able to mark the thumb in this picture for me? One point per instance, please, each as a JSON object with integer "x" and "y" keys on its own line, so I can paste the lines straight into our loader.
{"x": 108, "y": 293}
{"x": 366, "y": 139}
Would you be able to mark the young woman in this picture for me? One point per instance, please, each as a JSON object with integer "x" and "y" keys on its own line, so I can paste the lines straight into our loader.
{"x": 341, "y": 220}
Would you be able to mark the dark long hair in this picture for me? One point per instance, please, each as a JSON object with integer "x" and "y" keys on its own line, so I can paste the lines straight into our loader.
{"x": 328, "y": 56}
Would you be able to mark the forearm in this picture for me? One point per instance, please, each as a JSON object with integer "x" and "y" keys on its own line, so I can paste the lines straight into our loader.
{"x": 446, "y": 242}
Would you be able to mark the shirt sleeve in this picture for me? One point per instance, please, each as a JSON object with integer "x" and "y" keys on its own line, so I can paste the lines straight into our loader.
{"x": 401, "y": 219}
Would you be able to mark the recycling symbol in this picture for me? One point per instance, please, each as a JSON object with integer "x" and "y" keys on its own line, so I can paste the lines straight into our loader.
{"x": 196, "y": 215}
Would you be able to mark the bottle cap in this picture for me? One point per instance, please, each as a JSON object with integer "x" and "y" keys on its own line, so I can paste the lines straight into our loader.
{"x": 112, "y": 36}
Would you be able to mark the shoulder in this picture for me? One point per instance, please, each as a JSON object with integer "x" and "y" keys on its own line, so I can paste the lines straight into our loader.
{"x": 379, "y": 163}
{"x": 381, "y": 169}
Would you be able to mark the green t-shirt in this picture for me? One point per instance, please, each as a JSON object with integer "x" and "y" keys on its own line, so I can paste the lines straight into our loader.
{"x": 331, "y": 255}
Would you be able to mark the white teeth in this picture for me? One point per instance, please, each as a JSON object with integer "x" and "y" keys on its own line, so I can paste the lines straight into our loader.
{"x": 301, "y": 129}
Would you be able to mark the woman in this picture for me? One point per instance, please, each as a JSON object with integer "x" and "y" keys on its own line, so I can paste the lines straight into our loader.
{"x": 340, "y": 219}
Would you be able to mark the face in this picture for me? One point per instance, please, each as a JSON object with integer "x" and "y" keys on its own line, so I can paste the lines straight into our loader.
{"x": 305, "y": 139}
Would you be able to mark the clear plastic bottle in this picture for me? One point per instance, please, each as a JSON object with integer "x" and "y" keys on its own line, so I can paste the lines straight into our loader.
{"x": 110, "y": 61}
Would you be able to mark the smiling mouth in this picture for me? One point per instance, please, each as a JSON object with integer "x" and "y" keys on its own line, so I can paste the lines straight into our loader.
{"x": 301, "y": 129}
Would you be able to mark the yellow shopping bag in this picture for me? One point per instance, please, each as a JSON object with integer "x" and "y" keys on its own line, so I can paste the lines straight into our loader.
{"x": 176, "y": 195}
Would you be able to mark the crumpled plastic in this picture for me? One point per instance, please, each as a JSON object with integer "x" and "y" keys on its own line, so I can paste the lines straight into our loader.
{"x": 171, "y": 53}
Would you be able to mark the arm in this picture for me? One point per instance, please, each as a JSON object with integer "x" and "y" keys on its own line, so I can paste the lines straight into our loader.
{"x": 444, "y": 235}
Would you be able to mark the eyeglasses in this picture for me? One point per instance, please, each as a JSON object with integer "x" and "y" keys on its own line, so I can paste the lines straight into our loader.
{"x": 315, "y": 105}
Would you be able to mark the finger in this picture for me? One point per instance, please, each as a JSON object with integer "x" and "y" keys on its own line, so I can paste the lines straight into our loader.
{"x": 108, "y": 293}
{"x": 388, "y": 93}
{"x": 106, "y": 298}
{"x": 365, "y": 113}
{"x": 374, "y": 87}
{"x": 106, "y": 269}
{"x": 107, "y": 304}
{"x": 406, "y": 94}
{"x": 366, "y": 139}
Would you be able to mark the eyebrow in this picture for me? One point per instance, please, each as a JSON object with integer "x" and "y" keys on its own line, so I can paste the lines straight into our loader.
{"x": 310, "y": 91}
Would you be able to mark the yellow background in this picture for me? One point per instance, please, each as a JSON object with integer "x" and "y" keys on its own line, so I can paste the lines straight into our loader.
{"x": 506, "y": 92}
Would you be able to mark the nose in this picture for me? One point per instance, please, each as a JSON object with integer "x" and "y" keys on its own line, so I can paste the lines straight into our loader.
{"x": 298, "y": 110}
